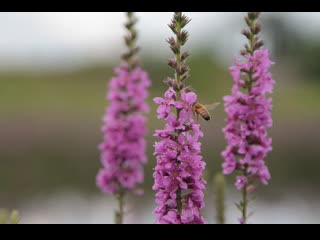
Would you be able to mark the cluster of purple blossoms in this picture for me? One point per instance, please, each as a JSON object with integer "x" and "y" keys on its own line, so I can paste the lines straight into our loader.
{"x": 179, "y": 167}
{"x": 123, "y": 148}
{"x": 249, "y": 114}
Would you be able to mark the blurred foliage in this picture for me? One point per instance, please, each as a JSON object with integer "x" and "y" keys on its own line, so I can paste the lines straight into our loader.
{"x": 7, "y": 217}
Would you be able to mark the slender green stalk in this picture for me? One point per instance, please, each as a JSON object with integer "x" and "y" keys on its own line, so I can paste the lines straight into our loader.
{"x": 244, "y": 203}
{"x": 219, "y": 185}
{"x": 119, "y": 214}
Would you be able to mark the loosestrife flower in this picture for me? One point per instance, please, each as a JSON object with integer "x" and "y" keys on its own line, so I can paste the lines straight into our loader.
{"x": 178, "y": 173}
{"x": 123, "y": 147}
{"x": 249, "y": 115}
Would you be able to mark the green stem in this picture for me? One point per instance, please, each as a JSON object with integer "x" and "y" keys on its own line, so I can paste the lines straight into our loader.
{"x": 219, "y": 185}
{"x": 252, "y": 43}
{"x": 245, "y": 204}
{"x": 119, "y": 214}
{"x": 245, "y": 201}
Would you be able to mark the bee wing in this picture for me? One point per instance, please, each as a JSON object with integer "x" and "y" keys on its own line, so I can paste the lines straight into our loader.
{"x": 212, "y": 106}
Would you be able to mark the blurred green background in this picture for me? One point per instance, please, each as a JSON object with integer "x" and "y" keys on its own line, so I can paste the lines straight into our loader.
{"x": 50, "y": 128}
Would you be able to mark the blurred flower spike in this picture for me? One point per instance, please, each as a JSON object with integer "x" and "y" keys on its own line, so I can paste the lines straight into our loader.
{"x": 123, "y": 150}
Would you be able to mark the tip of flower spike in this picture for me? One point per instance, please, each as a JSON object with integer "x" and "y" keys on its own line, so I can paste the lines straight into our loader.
{"x": 130, "y": 57}
{"x": 253, "y": 15}
{"x": 254, "y": 28}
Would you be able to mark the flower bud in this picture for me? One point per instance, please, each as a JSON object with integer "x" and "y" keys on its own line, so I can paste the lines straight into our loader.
{"x": 246, "y": 33}
{"x": 172, "y": 63}
{"x": 184, "y": 56}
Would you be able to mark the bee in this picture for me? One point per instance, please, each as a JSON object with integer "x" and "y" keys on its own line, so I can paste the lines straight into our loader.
{"x": 203, "y": 110}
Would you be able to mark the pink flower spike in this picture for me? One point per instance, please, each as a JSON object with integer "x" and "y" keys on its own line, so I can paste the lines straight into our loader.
{"x": 123, "y": 148}
{"x": 178, "y": 172}
{"x": 248, "y": 110}
{"x": 249, "y": 114}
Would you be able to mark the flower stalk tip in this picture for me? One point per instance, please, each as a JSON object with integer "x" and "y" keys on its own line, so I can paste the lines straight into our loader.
{"x": 131, "y": 56}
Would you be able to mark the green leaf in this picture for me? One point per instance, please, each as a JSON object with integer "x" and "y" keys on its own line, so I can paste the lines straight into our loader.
{"x": 238, "y": 206}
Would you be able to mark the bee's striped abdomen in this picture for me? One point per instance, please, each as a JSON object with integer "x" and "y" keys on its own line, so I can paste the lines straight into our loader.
{"x": 202, "y": 111}
{"x": 205, "y": 114}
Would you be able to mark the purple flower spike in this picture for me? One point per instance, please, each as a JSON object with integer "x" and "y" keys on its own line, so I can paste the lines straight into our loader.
{"x": 249, "y": 114}
{"x": 123, "y": 148}
{"x": 178, "y": 173}
{"x": 248, "y": 111}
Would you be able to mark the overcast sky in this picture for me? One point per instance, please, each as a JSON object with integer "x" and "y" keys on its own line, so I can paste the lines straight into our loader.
{"x": 57, "y": 39}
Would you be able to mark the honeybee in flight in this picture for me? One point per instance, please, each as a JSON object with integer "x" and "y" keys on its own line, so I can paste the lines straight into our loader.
{"x": 203, "y": 110}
